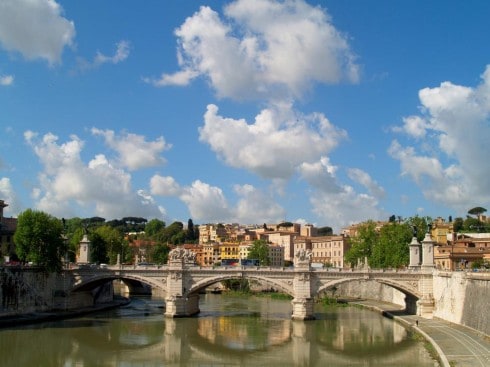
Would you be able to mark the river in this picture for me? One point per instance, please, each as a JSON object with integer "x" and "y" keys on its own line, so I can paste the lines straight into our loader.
{"x": 229, "y": 331}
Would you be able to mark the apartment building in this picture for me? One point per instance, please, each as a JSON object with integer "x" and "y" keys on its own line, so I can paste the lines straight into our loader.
{"x": 212, "y": 233}
{"x": 325, "y": 250}
{"x": 7, "y": 231}
{"x": 461, "y": 252}
{"x": 283, "y": 239}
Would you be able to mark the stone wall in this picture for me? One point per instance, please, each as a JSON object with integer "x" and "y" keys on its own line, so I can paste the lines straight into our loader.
{"x": 26, "y": 290}
{"x": 368, "y": 290}
{"x": 463, "y": 298}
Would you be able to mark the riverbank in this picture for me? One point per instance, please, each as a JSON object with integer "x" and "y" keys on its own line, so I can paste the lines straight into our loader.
{"x": 37, "y": 317}
{"x": 455, "y": 345}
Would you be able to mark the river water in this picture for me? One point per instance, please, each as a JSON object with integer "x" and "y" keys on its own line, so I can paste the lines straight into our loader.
{"x": 229, "y": 331}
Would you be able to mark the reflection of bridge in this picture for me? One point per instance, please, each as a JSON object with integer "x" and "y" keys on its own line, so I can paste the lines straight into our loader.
{"x": 181, "y": 282}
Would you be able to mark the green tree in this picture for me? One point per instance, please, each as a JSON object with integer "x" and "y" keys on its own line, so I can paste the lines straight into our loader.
{"x": 153, "y": 227}
{"x": 362, "y": 244}
{"x": 458, "y": 224}
{"x": 391, "y": 250}
{"x": 98, "y": 249}
{"x": 478, "y": 210}
{"x": 191, "y": 232}
{"x": 160, "y": 253}
{"x": 421, "y": 225}
{"x": 113, "y": 241}
{"x": 260, "y": 251}
{"x": 38, "y": 238}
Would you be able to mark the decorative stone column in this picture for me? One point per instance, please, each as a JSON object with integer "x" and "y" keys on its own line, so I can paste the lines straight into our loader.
{"x": 414, "y": 253}
{"x": 179, "y": 303}
{"x": 302, "y": 302}
{"x": 84, "y": 256}
{"x": 428, "y": 252}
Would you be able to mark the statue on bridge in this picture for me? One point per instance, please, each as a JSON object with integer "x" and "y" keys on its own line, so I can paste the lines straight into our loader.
{"x": 181, "y": 254}
{"x": 302, "y": 256}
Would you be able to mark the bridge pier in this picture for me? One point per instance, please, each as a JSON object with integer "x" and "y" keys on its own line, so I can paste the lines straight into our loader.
{"x": 303, "y": 309}
{"x": 182, "y": 306}
{"x": 303, "y": 301}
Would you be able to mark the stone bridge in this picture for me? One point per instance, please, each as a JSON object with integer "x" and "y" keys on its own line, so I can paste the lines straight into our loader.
{"x": 181, "y": 282}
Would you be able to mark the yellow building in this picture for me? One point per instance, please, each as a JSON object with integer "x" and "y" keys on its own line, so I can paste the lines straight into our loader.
{"x": 230, "y": 250}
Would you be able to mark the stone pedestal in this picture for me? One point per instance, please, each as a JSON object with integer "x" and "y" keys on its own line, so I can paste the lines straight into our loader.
{"x": 428, "y": 252}
{"x": 414, "y": 247}
{"x": 302, "y": 309}
{"x": 181, "y": 306}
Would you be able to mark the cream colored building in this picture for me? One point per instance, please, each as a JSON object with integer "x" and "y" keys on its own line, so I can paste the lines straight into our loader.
{"x": 211, "y": 233}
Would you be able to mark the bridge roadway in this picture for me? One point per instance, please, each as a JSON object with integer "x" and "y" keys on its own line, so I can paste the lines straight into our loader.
{"x": 181, "y": 283}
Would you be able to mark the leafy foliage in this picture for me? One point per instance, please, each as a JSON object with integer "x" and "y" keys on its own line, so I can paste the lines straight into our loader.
{"x": 260, "y": 251}
{"x": 38, "y": 238}
{"x": 477, "y": 210}
{"x": 362, "y": 245}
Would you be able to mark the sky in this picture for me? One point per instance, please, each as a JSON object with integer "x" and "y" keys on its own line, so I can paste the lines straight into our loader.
{"x": 248, "y": 111}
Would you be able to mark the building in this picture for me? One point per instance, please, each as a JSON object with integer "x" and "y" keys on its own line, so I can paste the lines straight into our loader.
{"x": 229, "y": 250}
{"x": 284, "y": 239}
{"x": 211, "y": 233}
{"x": 7, "y": 231}
{"x": 440, "y": 229}
{"x": 276, "y": 255}
{"x": 462, "y": 251}
{"x": 210, "y": 254}
{"x": 325, "y": 250}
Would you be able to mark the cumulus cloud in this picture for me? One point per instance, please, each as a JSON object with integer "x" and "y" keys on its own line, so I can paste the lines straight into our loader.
{"x": 122, "y": 53}
{"x": 455, "y": 120}
{"x": 280, "y": 48}
{"x": 164, "y": 186}
{"x": 6, "y": 80}
{"x": 206, "y": 202}
{"x": 365, "y": 180}
{"x": 67, "y": 184}
{"x": 35, "y": 28}
{"x": 8, "y": 194}
{"x": 254, "y": 206}
{"x": 275, "y": 144}
{"x": 133, "y": 150}
{"x": 337, "y": 204}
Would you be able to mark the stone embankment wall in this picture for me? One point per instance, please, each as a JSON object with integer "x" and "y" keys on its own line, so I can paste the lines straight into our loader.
{"x": 463, "y": 298}
{"x": 27, "y": 290}
{"x": 362, "y": 289}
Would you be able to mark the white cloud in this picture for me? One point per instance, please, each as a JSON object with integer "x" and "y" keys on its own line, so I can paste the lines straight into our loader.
{"x": 122, "y": 53}
{"x": 6, "y": 80}
{"x": 35, "y": 28}
{"x": 347, "y": 207}
{"x": 254, "y": 206}
{"x": 133, "y": 150}
{"x": 8, "y": 195}
{"x": 365, "y": 180}
{"x": 336, "y": 204}
{"x": 414, "y": 126}
{"x": 455, "y": 120}
{"x": 206, "y": 202}
{"x": 280, "y": 49}
{"x": 67, "y": 185}
{"x": 273, "y": 146}
{"x": 164, "y": 186}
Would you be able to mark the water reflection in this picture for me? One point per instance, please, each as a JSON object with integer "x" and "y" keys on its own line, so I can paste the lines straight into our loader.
{"x": 229, "y": 331}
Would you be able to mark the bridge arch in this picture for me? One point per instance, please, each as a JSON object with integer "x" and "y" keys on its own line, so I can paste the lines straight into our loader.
{"x": 96, "y": 280}
{"x": 205, "y": 282}
{"x": 412, "y": 295}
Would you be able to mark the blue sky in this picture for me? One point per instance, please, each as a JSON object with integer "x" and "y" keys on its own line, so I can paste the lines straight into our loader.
{"x": 250, "y": 111}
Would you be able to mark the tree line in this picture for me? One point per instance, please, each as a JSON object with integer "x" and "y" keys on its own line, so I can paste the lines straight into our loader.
{"x": 47, "y": 241}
